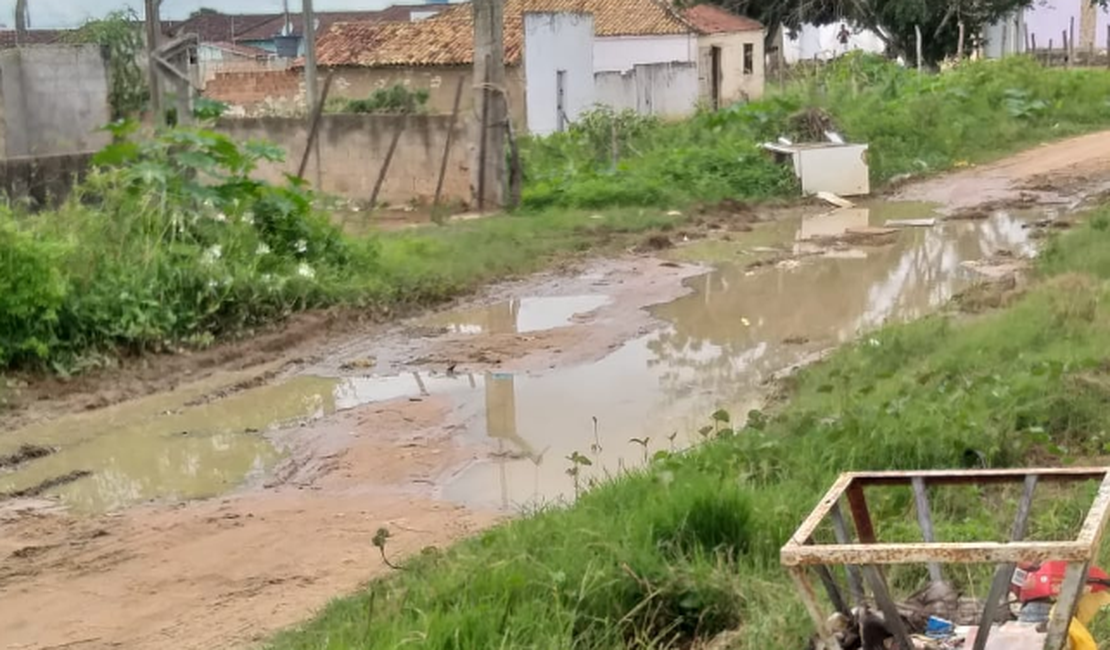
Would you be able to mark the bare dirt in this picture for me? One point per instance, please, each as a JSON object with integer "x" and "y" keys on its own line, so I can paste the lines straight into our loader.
{"x": 228, "y": 571}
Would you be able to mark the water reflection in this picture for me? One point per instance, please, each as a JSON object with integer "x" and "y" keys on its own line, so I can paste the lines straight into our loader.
{"x": 721, "y": 342}
{"x": 519, "y": 315}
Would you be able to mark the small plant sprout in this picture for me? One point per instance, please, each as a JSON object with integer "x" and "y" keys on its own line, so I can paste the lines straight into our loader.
{"x": 577, "y": 462}
{"x": 380, "y": 538}
{"x": 596, "y": 446}
{"x": 671, "y": 438}
{"x": 643, "y": 442}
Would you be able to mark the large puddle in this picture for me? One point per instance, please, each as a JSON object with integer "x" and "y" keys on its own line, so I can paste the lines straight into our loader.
{"x": 717, "y": 346}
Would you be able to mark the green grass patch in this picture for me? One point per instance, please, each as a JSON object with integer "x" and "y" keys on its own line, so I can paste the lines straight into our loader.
{"x": 915, "y": 124}
{"x": 688, "y": 547}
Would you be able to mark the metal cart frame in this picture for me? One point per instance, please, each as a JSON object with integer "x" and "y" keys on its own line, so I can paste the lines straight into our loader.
{"x": 866, "y": 557}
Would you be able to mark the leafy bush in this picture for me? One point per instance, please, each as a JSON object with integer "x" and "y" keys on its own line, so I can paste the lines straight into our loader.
{"x": 394, "y": 99}
{"x": 169, "y": 240}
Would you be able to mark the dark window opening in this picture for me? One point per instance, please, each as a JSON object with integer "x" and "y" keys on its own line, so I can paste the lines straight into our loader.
{"x": 749, "y": 58}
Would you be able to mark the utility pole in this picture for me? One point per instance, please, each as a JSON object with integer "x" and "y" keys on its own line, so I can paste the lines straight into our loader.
{"x": 490, "y": 103}
{"x": 309, "y": 28}
{"x": 153, "y": 40}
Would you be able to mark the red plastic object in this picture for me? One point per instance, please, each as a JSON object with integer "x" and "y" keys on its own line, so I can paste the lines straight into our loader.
{"x": 1044, "y": 581}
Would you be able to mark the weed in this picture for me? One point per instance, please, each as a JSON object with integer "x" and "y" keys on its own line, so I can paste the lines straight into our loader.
{"x": 394, "y": 99}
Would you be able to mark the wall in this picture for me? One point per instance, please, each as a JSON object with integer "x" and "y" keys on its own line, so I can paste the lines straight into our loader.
{"x": 821, "y": 42}
{"x": 669, "y": 90}
{"x": 554, "y": 43}
{"x": 1005, "y": 37}
{"x": 254, "y": 87}
{"x": 735, "y": 84}
{"x": 43, "y": 180}
{"x": 55, "y": 99}
{"x": 353, "y": 148}
{"x": 620, "y": 53}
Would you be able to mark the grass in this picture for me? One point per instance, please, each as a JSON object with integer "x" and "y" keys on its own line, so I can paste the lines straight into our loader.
{"x": 688, "y": 547}
{"x": 914, "y": 123}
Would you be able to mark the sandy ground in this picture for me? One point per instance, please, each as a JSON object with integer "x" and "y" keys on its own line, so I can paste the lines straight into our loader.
{"x": 227, "y": 572}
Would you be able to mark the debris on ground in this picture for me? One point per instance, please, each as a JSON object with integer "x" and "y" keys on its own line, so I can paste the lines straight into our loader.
{"x": 655, "y": 242}
{"x": 833, "y": 199}
{"x": 911, "y": 223}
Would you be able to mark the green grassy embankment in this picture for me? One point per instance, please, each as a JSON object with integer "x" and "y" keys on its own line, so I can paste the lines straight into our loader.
{"x": 688, "y": 548}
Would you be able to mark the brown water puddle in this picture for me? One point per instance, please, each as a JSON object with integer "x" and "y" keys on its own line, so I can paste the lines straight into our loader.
{"x": 716, "y": 348}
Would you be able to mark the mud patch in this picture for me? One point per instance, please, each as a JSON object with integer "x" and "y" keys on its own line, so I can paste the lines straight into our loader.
{"x": 47, "y": 485}
{"x": 25, "y": 453}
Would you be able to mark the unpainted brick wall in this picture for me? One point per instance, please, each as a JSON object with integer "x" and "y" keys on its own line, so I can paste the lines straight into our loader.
{"x": 251, "y": 88}
{"x": 353, "y": 149}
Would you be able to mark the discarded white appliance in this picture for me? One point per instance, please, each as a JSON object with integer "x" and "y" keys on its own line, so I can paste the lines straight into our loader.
{"x": 835, "y": 167}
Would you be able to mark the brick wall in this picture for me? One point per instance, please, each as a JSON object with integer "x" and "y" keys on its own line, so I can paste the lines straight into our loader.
{"x": 251, "y": 88}
{"x": 353, "y": 148}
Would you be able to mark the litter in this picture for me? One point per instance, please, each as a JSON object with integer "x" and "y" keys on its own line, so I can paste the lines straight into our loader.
{"x": 911, "y": 223}
{"x": 826, "y": 166}
{"x": 838, "y": 201}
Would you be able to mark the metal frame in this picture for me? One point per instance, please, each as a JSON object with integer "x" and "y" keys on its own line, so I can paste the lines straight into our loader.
{"x": 867, "y": 556}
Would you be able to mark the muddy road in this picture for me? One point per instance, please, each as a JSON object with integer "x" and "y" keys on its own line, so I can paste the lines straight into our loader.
{"x": 208, "y": 500}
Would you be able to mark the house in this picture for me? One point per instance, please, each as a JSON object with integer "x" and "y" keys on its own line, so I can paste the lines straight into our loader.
{"x": 730, "y": 55}
{"x": 560, "y": 56}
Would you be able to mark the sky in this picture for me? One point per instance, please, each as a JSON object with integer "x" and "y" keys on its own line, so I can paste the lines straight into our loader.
{"x": 47, "y": 14}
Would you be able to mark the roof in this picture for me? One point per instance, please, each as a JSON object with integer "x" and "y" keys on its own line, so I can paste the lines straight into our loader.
{"x": 711, "y": 19}
{"x": 241, "y": 50}
{"x": 448, "y": 37}
{"x": 325, "y": 19}
{"x": 221, "y": 28}
{"x": 32, "y": 37}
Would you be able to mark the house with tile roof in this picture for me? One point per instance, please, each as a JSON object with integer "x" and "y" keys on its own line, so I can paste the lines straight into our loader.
{"x": 438, "y": 52}
{"x": 730, "y": 55}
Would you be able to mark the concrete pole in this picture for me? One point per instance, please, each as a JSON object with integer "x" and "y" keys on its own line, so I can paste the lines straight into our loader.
{"x": 490, "y": 104}
{"x": 153, "y": 40}
{"x": 311, "y": 90}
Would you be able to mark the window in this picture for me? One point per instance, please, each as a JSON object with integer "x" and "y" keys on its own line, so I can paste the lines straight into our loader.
{"x": 749, "y": 58}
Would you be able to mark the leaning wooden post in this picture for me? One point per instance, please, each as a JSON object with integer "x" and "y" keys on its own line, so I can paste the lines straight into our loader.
{"x": 960, "y": 44}
{"x": 388, "y": 159}
{"x": 447, "y": 145}
{"x": 314, "y": 127}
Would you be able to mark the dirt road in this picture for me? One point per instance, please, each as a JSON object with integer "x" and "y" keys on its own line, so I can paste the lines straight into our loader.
{"x": 274, "y": 461}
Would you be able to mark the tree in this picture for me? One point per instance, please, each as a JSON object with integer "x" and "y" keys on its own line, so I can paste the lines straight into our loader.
{"x": 893, "y": 20}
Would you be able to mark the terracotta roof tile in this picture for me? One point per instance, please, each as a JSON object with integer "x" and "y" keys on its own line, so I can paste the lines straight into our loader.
{"x": 325, "y": 19}
{"x": 711, "y": 19}
{"x": 448, "y": 38}
{"x": 242, "y": 50}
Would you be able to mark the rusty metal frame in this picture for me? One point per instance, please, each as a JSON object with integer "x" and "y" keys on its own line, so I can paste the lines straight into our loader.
{"x": 801, "y": 552}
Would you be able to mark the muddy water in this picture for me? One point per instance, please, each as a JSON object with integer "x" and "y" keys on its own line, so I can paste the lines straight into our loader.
{"x": 720, "y": 343}
{"x": 715, "y": 348}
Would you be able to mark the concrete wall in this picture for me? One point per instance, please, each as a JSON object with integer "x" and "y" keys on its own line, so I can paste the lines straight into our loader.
{"x": 1005, "y": 37}
{"x": 42, "y": 180}
{"x": 353, "y": 148}
{"x": 821, "y": 42}
{"x": 736, "y": 85}
{"x": 55, "y": 99}
{"x": 669, "y": 90}
{"x": 557, "y": 45}
{"x": 620, "y": 53}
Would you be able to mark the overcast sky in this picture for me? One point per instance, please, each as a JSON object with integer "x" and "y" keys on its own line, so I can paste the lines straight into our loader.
{"x": 69, "y": 13}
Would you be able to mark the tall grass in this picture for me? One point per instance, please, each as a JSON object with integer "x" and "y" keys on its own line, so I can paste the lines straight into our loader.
{"x": 915, "y": 123}
{"x": 688, "y": 547}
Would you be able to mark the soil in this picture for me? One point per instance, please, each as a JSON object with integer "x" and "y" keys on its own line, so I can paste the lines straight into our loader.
{"x": 228, "y": 571}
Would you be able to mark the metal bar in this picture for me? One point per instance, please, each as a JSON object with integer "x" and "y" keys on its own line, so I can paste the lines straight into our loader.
{"x": 857, "y": 502}
{"x": 925, "y": 520}
{"x": 1005, "y": 572}
{"x": 891, "y": 616}
{"x": 950, "y": 477}
{"x": 833, "y": 590}
{"x": 1070, "y": 591}
{"x": 809, "y": 599}
{"x": 385, "y": 163}
{"x": 314, "y": 128}
{"x": 450, "y": 141}
{"x": 959, "y": 553}
{"x": 805, "y": 531}
{"x": 840, "y": 529}
{"x": 1095, "y": 523}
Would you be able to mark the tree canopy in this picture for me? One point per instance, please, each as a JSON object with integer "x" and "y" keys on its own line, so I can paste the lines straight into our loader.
{"x": 893, "y": 20}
